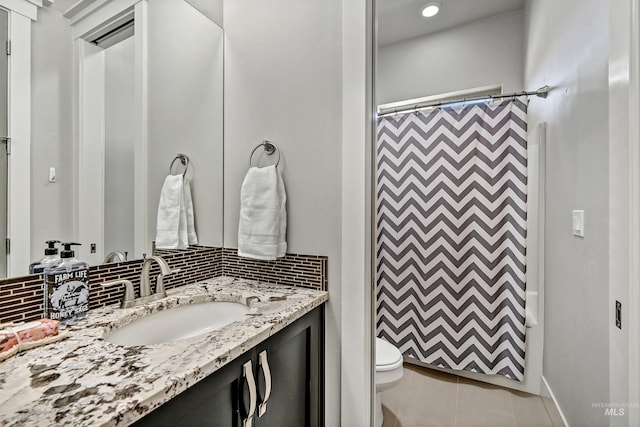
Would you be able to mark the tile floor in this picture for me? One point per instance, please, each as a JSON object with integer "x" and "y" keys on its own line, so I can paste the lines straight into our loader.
{"x": 429, "y": 398}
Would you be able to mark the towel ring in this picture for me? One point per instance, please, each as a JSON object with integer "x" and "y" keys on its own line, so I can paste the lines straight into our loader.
{"x": 269, "y": 149}
{"x": 184, "y": 159}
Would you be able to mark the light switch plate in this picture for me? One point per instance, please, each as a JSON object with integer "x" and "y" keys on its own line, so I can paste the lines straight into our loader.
{"x": 578, "y": 223}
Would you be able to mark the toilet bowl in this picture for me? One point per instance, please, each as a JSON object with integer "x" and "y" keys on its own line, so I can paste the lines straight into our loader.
{"x": 388, "y": 372}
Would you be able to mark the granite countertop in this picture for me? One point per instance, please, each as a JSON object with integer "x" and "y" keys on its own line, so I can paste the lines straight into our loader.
{"x": 84, "y": 380}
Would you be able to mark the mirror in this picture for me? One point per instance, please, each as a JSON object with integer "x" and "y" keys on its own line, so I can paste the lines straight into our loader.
{"x": 119, "y": 164}
{"x": 107, "y": 188}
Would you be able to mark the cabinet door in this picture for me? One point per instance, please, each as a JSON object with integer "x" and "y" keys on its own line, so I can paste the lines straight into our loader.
{"x": 293, "y": 357}
{"x": 214, "y": 401}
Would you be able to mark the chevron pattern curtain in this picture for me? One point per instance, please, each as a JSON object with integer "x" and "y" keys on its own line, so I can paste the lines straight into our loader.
{"x": 451, "y": 236}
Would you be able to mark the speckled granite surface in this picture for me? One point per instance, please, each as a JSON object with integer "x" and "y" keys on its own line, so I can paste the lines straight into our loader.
{"x": 86, "y": 381}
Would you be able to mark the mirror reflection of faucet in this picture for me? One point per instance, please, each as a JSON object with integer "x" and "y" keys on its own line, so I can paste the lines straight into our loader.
{"x": 129, "y": 299}
{"x": 115, "y": 256}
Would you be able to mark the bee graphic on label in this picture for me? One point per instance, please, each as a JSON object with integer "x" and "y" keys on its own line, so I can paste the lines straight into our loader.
{"x": 69, "y": 294}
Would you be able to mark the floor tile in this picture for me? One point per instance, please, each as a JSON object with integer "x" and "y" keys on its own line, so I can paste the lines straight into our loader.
{"x": 482, "y": 404}
{"x": 552, "y": 410}
{"x": 433, "y": 373}
{"x": 390, "y": 418}
{"x": 429, "y": 400}
{"x": 529, "y": 410}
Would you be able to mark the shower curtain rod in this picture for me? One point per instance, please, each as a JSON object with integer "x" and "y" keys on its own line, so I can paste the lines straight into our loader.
{"x": 540, "y": 93}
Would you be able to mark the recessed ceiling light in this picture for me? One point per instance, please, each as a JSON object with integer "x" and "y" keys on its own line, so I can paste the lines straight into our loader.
{"x": 430, "y": 9}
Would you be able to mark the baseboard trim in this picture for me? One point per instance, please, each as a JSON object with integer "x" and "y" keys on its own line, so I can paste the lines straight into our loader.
{"x": 546, "y": 391}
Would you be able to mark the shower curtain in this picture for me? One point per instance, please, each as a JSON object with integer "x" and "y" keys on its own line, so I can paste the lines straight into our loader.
{"x": 451, "y": 235}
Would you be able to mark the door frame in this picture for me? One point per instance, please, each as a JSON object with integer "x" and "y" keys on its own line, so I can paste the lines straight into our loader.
{"x": 357, "y": 385}
{"x": 89, "y": 121}
{"x": 21, "y": 14}
{"x": 624, "y": 208}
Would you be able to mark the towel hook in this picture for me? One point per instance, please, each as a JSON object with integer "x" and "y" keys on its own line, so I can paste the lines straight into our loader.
{"x": 184, "y": 159}
{"x": 269, "y": 149}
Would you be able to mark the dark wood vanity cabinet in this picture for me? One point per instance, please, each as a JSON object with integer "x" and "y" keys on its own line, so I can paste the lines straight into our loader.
{"x": 281, "y": 380}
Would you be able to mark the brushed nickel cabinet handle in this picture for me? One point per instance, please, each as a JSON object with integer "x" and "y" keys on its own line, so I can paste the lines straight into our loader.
{"x": 264, "y": 363}
{"x": 251, "y": 383}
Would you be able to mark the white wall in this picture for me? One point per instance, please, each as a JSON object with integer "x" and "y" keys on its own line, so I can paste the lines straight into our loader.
{"x": 567, "y": 48}
{"x": 51, "y": 130}
{"x": 119, "y": 148}
{"x": 211, "y": 8}
{"x": 283, "y": 83}
{"x": 484, "y": 52}
{"x": 186, "y": 110}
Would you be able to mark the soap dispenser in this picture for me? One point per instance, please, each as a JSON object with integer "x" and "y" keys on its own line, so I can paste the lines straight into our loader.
{"x": 50, "y": 259}
{"x": 66, "y": 288}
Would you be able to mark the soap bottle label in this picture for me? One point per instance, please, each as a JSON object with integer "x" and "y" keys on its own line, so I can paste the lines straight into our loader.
{"x": 67, "y": 294}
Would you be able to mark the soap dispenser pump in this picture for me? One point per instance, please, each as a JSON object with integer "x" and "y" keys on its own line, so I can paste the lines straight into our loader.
{"x": 66, "y": 293}
{"x": 50, "y": 259}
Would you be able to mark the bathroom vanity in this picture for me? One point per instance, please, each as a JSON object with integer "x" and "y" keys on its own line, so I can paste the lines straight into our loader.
{"x": 273, "y": 355}
{"x": 285, "y": 374}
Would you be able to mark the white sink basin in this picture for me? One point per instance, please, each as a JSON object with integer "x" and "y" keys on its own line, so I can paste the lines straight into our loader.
{"x": 178, "y": 323}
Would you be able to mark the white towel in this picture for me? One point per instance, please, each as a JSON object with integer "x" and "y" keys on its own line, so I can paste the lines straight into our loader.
{"x": 175, "y": 228}
{"x": 191, "y": 226}
{"x": 263, "y": 216}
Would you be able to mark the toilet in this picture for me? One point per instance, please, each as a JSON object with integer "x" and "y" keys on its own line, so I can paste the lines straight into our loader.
{"x": 388, "y": 372}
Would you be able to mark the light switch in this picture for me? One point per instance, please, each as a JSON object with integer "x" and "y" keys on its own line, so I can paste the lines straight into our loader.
{"x": 52, "y": 174}
{"x": 578, "y": 223}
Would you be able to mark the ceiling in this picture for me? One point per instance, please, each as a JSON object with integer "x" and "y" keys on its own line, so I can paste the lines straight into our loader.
{"x": 62, "y": 5}
{"x": 400, "y": 20}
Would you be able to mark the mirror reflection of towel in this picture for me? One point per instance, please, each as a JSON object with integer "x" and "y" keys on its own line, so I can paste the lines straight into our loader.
{"x": 263, "y": 216}
{"x": 175, "y": 227}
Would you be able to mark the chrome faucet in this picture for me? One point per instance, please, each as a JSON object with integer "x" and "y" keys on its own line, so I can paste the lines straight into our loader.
{"x": 129, "y": 299}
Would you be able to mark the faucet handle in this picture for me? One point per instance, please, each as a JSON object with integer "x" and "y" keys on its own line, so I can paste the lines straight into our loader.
{"x": 160, "y": 282}
{"x": 129, "y": 293}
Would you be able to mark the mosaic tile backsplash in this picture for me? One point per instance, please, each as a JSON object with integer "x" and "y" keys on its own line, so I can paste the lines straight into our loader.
{"x": 307, "y": 271}
{"x": 21, "y": 298}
